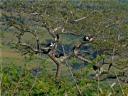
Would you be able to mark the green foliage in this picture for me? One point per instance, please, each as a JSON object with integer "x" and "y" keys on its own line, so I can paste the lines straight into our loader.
{"x": 107, "y": 20}
{"x": 19, "y": 79}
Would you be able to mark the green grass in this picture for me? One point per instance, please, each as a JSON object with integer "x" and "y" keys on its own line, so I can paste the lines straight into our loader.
{"x": 17, "y": 78}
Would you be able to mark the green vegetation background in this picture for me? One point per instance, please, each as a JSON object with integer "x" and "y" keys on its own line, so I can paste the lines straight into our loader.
{"x": 34, "y": 76}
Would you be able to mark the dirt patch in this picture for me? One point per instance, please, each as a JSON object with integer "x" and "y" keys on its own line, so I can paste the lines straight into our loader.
{"x": 10, "y": 53}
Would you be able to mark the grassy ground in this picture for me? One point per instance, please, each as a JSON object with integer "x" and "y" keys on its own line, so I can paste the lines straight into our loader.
{"x": 35, "y": 77}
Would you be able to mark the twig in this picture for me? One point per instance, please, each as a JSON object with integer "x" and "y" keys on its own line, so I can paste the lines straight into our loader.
{"x": 84, "y": 17}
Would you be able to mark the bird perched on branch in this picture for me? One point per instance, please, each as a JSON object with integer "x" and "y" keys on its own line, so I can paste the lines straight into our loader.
{"x": 88, "y": 38}
{"x": 47, "y": 47}
{"x": 50, "y": 44}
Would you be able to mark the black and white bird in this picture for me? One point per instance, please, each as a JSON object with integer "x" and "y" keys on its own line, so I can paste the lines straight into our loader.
{"x": 47, "y": 47}
{"x": 88, "y": 38}
{"x": 50, "y": 44}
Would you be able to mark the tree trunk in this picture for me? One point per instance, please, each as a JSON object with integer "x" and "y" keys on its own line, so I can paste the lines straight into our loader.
{"x": 58, "y": 71}
{"x": 58, "y": 64}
